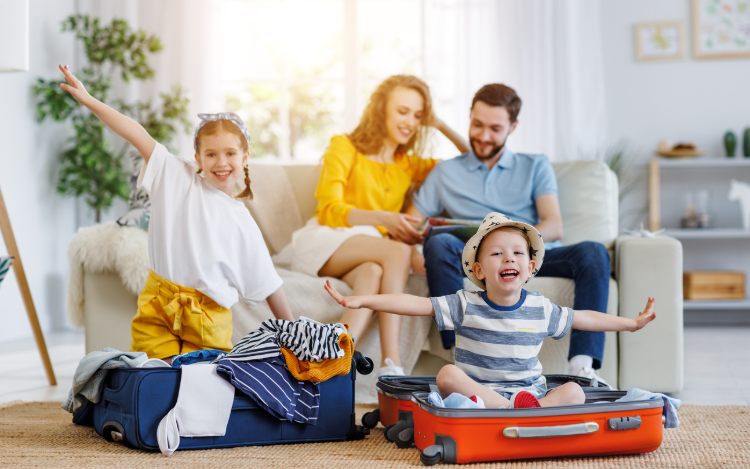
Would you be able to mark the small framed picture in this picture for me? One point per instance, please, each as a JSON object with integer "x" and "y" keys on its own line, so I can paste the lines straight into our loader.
{"x": 659, "y": 41}
{"x": 721, "y": 29}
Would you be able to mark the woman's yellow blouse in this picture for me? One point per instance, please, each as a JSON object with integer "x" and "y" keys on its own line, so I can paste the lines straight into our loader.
{"x": 350, "y": 180}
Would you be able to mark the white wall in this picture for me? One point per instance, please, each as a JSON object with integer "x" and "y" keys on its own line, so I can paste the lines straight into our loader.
{"x": 685, "y": 100}
{"x": 43, "y": 222}
{"x": 682, "y": 100}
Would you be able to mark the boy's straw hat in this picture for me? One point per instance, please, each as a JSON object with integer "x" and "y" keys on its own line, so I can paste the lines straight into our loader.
{"x": 491, "y": 222}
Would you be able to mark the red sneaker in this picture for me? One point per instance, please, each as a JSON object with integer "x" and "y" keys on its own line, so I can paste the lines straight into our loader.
{"x": 524, "y": 400}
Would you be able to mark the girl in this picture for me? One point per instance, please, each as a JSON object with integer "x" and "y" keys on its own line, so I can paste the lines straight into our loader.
{"x": 205, "y": 249}
{"x": 359, "y": 234}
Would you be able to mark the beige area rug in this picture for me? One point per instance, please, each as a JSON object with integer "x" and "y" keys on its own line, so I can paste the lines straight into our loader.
{"x": 40, "y": 434}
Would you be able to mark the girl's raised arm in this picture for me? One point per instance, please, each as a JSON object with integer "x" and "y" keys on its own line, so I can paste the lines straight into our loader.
{"x": 122, "y": 125}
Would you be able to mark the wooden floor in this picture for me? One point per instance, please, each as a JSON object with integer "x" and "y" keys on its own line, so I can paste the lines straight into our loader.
{"x": 717, "y": 366}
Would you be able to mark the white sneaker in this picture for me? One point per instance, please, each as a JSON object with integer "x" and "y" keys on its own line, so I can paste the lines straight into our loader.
{"x": 588, "y": 372}
{"x": 391, "y": 369}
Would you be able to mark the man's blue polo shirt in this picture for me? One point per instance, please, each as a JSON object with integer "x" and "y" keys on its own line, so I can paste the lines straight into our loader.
{"x": 463, "y": 187}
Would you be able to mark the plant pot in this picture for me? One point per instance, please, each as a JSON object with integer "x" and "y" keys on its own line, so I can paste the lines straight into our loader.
{"x": 730, "y": 143}
{"x": 746, "y": 142}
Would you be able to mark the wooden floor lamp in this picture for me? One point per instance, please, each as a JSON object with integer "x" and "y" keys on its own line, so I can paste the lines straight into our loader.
{"x": 14, "y": 57}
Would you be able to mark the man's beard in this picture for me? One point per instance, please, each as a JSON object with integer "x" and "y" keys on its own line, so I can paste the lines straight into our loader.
{"x": 495, "y": 150}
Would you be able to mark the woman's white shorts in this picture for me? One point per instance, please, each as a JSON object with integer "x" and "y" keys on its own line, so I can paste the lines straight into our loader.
{"x": 314, "y": 244}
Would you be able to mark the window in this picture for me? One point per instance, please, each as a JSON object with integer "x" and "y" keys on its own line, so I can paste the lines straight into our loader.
{"x": 302, "y": 71}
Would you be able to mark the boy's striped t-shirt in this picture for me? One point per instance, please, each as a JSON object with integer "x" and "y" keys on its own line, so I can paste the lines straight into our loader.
{"x": 499, "y": 345}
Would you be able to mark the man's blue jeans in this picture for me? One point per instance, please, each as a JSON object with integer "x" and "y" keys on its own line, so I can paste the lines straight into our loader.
{"x": 586, "y": 263}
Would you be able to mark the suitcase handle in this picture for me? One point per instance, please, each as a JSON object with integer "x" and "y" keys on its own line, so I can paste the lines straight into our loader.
{"x": 547, "y": 432}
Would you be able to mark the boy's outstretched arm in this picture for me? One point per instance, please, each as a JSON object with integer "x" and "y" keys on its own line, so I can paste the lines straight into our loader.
{"x": 122, "y": 125}
{"x": 408, "y": 305}
{"x": 585, "y": 320}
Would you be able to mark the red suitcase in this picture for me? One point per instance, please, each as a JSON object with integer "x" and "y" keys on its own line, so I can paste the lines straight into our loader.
{"x": 482, "y": 435}
{"x": 395, "y": 405}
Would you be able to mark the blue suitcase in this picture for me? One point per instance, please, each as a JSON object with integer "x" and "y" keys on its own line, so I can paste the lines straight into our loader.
{"x": 134, "y": 400}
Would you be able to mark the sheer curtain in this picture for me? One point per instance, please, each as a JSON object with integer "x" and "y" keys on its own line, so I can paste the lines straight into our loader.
{"x": 549, "y": 51}
{"x": 189, "y": 58}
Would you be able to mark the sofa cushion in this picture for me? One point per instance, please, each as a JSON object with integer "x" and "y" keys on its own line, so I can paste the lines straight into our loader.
{"x": 304, "y": 180}
{"x": 588, "y": 201}
{"x": 589, "y": 184}
{"x": 274, "y": 206}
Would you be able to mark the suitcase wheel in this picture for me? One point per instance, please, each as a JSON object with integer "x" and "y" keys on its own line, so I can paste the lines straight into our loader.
{"x": 358, "y": 433}
{"x": 364, "y": 364}
{"x": 113, "y": 431}
{"x": 392, "y": 432}
{"x": 431, "y": 455}
{"x": 405, "y": 438}
{"x": 371, "y": 419}
{"x": 388, "y": 436}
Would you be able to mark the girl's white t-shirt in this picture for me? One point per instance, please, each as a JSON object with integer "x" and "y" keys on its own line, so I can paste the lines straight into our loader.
{"x": 200, "y": 237}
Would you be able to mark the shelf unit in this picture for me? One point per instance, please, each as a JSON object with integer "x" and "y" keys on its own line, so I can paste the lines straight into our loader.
{"x": 699, "y": 251}
{"x": 716, "y": 304}
{"x": 741, "y": 162}
{"x": 708, "y": 233}
{"x": 654, "y": 179}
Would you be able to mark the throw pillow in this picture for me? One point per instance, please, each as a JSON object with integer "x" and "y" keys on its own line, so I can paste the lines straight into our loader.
{"x": 139, "y": 204}
{"x": 5, "y": 263}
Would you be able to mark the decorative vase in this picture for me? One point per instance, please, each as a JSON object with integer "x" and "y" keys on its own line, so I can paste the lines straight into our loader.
{"x": 746, "y": 142}
{"x": 730, "y": 143}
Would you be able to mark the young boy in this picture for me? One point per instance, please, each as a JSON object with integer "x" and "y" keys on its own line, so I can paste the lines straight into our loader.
{"x": 499, "y": 331}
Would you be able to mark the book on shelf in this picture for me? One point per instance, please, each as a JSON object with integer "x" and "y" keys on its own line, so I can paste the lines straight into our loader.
{"x": 461, "y": 228}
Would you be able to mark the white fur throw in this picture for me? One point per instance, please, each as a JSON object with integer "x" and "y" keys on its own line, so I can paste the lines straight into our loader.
{"x": 106, "y": 248}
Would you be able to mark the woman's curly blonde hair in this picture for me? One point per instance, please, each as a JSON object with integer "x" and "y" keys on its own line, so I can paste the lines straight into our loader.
{"x": 371, "y": 132}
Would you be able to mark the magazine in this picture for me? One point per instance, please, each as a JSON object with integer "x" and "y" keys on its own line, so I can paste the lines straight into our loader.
{"x": 463, "y": 229}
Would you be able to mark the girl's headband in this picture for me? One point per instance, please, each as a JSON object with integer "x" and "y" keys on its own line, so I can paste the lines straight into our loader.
{"x": 220, "y": 116}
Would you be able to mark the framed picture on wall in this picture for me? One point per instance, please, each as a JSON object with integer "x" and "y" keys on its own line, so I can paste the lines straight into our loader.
{"x": 721, "y": 29}
{"x": 659, "y": 41}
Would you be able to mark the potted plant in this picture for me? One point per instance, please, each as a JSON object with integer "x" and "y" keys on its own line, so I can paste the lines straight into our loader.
{"x": 90, "y": 166}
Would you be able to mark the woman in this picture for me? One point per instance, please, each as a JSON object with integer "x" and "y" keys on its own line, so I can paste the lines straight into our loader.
{"x": 359, "y": 234}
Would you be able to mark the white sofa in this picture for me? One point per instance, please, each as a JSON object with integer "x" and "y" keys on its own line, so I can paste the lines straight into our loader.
{"x": 105, "y": 300}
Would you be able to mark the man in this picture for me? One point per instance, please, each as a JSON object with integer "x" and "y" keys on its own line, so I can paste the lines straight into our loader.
{"x": 492, "y": 178}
